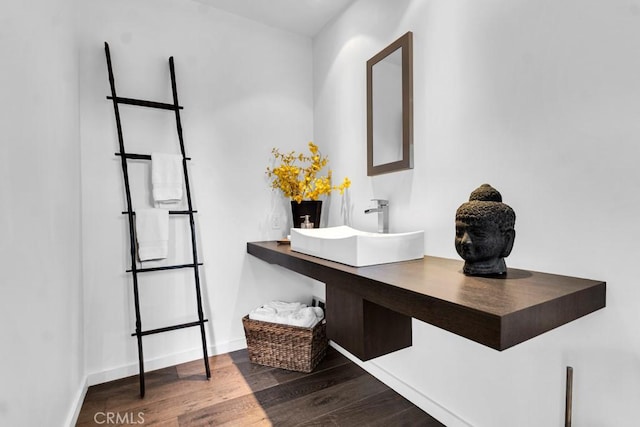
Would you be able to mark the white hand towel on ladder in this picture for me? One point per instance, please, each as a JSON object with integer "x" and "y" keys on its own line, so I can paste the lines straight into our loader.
{"x": 152, "y": 233}
{"x": 166, "y": 177}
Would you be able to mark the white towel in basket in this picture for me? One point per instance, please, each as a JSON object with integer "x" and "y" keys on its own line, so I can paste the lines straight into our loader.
{"x": 285, "y": 313}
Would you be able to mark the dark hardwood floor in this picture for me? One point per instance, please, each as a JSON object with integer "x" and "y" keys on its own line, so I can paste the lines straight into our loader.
{"x": 336, "y": 393}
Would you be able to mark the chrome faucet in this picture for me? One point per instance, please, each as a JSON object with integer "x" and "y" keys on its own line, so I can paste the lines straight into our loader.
{"x": 383, "y": 214}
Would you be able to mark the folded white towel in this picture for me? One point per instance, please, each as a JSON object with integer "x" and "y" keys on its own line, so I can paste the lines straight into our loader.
{"x": 284, "y": 306}
{"x": 284, "y": 316}
{"x": 304, "y": 318}
{"x": 152, "y": 233}
{"x": 166, "y": 177}
{"x": 319, "y": 312}
{"x": 264, "y": 314}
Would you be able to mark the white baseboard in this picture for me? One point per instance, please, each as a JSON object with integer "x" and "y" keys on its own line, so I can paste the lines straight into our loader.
{"x": 413, "y": 395}
{"x": 78, "y": 400}
{"x": 163, "y": 362}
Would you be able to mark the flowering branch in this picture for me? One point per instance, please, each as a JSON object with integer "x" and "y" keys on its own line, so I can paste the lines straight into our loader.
{"x": 302, "y": 183}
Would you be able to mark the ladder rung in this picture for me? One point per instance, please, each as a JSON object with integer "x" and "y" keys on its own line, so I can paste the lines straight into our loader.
{"x": 140, "y": 156}
{"x": 143, "y": 103}
{"x": 166, "y": 267}
{"x": 170, "y": 212}
{"x": 170, "y": 328}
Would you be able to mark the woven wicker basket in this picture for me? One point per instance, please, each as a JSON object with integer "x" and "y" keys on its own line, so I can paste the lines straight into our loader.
{"x": 284, "y": 346}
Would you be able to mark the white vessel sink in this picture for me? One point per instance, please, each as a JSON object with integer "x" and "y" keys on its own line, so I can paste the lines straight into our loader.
{"x": 357, "y": 248}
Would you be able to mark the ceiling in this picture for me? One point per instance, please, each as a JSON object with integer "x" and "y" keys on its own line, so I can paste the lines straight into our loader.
{"x": 305, "y": 17}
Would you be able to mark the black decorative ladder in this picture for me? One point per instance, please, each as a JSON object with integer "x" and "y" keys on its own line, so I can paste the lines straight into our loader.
{"x": 124, "y": 156}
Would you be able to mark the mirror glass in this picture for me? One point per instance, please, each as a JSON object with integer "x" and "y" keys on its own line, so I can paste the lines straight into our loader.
{"x": 389, "y": 108}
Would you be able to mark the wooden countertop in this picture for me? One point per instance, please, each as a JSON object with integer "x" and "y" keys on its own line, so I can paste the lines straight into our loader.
{"x": 498, "y": 313}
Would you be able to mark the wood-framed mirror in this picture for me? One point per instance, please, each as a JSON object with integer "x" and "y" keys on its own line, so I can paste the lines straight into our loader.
{"x": 390, "y": 108}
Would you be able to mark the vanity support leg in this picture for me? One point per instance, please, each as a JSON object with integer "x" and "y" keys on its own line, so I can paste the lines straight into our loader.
{"x": 365, "y": 329}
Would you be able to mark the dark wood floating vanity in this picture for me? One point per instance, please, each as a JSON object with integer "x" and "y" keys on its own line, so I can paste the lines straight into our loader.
{"x": 369, "y": 309}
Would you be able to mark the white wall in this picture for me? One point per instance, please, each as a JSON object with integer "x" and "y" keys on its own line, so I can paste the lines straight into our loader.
{"x": 41, "y": 315}
{"x": 246, "y": 88}
{"x": 540, "y": 99}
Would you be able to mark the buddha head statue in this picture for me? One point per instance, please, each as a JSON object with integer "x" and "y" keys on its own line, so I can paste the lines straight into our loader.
{"x": 485, "y": 233}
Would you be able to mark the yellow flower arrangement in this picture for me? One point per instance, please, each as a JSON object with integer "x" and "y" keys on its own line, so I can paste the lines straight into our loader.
{"x": 302, "y": 183}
